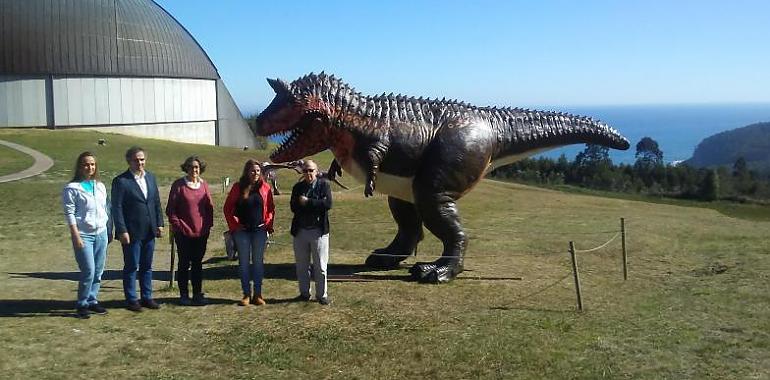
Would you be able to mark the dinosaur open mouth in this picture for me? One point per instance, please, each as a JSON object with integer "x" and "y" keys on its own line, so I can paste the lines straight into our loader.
{"x": 305, "y": 138}
{"x": 287, "y": 142}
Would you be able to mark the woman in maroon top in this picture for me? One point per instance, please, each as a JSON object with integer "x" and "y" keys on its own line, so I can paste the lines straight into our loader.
{"x": 190, "y": 213}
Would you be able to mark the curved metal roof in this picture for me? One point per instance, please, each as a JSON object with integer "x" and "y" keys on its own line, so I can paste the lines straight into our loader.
{"x": 97, "y": 37}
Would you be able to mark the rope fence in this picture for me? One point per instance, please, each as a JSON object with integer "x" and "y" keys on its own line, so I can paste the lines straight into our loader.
{"x": 601, "y": 246}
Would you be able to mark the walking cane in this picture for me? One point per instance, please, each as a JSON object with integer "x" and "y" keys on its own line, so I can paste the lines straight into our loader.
{"x": 173, "y": 257}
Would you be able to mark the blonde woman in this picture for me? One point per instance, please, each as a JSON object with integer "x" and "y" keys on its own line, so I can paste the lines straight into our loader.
{"x": 85, "y": 204}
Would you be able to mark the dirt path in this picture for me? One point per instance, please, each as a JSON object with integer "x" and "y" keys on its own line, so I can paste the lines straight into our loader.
{"x": 42, "y": 163}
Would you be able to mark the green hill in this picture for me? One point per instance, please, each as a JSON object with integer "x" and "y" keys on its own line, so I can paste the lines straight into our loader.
{"x": 695, "y": 304}
{"x": 751, "y": 142}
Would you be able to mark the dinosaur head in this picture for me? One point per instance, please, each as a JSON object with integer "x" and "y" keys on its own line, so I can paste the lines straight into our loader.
{"x": 299, "y": 113}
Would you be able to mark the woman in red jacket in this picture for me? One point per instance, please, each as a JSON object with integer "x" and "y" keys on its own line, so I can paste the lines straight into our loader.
{"x": 190, "y": 213}
{"x": 249, "y": 212}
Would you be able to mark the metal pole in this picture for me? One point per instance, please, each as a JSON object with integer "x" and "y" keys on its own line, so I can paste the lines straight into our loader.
{"x": 576, "y": 275}
{"x": 173, "y": 258}
{"x": 623, "y": 241}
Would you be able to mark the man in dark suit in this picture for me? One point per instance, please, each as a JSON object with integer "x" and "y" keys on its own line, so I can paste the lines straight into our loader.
{"x": 138, "y": 221}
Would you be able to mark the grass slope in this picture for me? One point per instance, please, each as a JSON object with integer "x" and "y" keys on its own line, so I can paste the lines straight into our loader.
{"x": 12, "y": 161}
{"x": 695, "y": 305}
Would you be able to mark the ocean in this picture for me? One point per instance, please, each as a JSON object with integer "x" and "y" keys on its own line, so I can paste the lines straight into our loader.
{"x": 677, "y": 128}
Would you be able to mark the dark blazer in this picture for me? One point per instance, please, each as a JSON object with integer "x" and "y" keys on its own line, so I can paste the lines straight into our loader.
{"x": 317, "y": 207}
{"x": 131, "y": 212}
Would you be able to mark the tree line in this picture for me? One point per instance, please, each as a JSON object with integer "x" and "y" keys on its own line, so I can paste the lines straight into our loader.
{"x": 593, "y": 168}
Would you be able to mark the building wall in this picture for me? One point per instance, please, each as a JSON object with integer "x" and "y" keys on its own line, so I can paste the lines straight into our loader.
{"x": 110, "y": 101}
{"x": 107, "y": 63}
{"x": 182, "y": 110}
{"x": 232, "y": 129}
{"x": 22, "y": 101}
{"x": 203, "y": 132}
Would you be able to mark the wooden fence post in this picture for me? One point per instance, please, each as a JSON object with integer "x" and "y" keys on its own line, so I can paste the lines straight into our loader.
{"x": 576, "y": 275}
{"x": 225, "y": 184}
{"x": 623, "y": 243}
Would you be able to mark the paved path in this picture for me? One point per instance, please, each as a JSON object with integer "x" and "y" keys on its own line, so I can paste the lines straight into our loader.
{"x": 42, "y": 163}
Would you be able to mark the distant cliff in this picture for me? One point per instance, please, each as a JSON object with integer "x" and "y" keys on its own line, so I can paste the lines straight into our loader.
{"x": 751, "y": 142}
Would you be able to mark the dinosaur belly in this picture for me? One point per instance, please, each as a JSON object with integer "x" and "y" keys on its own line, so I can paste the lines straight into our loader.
{"x": 395, "y": 186}
{"x": 507, "y": 160}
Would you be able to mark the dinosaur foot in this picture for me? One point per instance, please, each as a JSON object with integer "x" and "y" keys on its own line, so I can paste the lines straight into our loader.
{"x": 437, "y": 272}
{"x": 384, "y": 259}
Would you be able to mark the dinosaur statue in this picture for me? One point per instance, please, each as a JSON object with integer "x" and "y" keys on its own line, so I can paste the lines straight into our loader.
{"x": 425, "y": 154}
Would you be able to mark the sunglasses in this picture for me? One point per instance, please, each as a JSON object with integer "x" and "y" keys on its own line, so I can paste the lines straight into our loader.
{"x": 308, "y": 170}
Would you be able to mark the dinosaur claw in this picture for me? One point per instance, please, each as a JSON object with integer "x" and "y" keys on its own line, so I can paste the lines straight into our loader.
{"x": 432, "y": 273}
{"x": 369, "y": 189}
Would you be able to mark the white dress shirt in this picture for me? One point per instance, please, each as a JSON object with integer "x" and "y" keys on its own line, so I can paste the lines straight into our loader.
{"x": 142, "y": 182}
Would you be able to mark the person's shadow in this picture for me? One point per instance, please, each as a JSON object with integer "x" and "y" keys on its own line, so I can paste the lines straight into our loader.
{"x": 60, "y": 308}
{"x": 279, "y": 271}
{"x": 287, "y": 271}
{"x": 112, "y": 279}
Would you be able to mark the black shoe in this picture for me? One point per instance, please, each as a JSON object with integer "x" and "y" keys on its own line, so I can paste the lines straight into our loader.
{"x": 97, "y": 309}
{"x": 199, "y": 300}
{"x": 150, "y": 304}
{"x": 324, "y": 301}
{"x": 301, "y": 298}
{"x": 134, "y": 306}
{"x": 83, "y": 313}
{"x": 185, "y": 301}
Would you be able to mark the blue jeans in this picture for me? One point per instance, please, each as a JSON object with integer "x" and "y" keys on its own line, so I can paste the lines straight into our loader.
{"x": 251, "y": 254}
{"x": 137, "y": 258}
{"x": 90, "y": 260}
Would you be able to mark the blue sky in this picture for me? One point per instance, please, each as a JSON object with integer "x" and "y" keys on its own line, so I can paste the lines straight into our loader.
{"x": 506, "y": 53}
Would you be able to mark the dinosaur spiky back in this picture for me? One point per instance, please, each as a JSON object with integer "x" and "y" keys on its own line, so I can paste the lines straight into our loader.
{"x": 403, "y": 108}
{"x": 518, "y": 124}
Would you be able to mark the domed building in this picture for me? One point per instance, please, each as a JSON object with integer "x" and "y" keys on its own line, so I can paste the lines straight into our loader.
{"x": 123, "y": 66}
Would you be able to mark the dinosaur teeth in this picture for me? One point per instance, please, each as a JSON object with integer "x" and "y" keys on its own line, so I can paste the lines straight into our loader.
{"x": 286, "y": 139}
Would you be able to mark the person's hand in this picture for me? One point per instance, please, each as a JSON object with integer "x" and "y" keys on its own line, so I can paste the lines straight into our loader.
{"x": 77, "y": 242}
{"x": 124, "y": 238}
{"x": 159, "y": 232}
{"x": 302, "y": 200}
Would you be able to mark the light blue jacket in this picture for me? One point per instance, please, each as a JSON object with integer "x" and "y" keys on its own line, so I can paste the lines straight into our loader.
{"x": 90, "y": 212}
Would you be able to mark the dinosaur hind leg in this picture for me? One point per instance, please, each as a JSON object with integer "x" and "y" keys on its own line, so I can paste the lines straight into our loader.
{"x": 440, "y": 216}
{"x": 453, "y": 163}
{"x": 409, "y": 234}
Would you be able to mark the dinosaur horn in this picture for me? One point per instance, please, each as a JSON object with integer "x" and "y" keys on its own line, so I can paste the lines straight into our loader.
{"x": 279, "y": 86}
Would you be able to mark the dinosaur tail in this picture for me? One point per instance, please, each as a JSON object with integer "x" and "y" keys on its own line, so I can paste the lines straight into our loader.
{"x": 525, "y": 132}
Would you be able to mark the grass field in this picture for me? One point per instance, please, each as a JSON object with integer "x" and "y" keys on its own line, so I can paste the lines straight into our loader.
{"x": 696, "y": 305}
{"x": 12, "y": 161}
